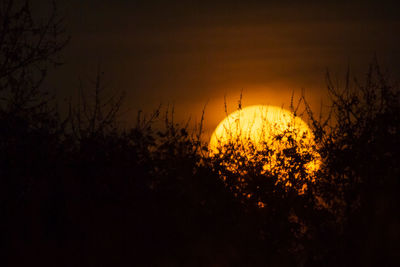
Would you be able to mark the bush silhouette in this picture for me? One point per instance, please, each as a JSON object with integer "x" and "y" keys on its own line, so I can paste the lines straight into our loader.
{"x": 360, "y": 148}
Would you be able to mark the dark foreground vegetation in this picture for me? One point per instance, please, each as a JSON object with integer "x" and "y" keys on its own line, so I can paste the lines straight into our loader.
{"x": 78, "y": 190}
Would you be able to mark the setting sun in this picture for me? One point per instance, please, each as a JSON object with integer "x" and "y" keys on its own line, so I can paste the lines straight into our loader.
{"x": 265, "y": 133}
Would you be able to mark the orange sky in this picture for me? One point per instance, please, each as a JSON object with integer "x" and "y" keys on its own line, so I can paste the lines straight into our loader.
{"x": 189, "y": 53}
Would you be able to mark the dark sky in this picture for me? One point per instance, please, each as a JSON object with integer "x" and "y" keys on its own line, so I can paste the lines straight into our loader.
{"x": 188, "y": 53}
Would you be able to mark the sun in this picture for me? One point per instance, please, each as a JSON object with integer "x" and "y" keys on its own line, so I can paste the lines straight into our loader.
{"x": 269, "y": 135}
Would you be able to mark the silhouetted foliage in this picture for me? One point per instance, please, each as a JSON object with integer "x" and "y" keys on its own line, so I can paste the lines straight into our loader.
{"x": 83, "y": 191}
{"x": 360, "y": 144}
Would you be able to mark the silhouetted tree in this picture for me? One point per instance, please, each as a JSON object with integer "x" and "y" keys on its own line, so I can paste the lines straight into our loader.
{"x": 28, "y": 47}
{"x": 359, "y": 142}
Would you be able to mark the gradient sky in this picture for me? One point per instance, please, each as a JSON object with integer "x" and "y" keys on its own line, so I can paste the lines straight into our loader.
{"x": 189, "y": 53}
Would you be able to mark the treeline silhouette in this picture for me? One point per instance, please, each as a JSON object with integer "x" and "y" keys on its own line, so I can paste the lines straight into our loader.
{"x": 78, "y": 190}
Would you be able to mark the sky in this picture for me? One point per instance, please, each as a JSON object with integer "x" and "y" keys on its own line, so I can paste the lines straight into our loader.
{"x": 192, "y": 53}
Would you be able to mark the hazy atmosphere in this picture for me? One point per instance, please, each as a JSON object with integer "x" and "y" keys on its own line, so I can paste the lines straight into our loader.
{"x": 189, "y": 53}
{"x": 183, "y": 133}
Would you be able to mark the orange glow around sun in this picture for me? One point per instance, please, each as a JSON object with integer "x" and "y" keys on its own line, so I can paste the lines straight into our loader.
{"x": 255, "y": 129}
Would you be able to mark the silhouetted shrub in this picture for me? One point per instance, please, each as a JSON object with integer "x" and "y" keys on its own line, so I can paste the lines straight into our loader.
{"x": 360, "y": 143}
